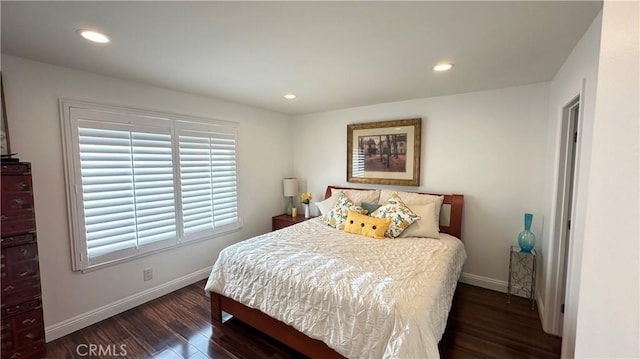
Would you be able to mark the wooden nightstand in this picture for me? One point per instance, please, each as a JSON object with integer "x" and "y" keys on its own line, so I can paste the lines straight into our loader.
{"x": 285, "y": 220}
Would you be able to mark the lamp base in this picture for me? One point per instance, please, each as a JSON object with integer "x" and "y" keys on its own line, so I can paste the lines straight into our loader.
{"x": 290, "y": 206}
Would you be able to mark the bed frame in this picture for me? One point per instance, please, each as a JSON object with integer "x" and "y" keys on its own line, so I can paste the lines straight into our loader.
{"x": 290, "y": 336}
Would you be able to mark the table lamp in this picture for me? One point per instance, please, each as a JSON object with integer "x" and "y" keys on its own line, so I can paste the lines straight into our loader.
{"x": 290, "y": 186}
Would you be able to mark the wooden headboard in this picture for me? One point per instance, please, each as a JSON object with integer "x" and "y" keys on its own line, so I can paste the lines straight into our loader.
{"x": 454, "y": 200}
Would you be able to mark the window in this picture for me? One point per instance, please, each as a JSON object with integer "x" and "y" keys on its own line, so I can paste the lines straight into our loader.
{"x": 139, "y": 181}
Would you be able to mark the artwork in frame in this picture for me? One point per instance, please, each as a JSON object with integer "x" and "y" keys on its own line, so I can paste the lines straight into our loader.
{"x": 4, "y": 130}
{"x": 385, "y": 152}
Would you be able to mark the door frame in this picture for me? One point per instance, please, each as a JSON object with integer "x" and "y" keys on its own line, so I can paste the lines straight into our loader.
{"x": 561, "y": 201}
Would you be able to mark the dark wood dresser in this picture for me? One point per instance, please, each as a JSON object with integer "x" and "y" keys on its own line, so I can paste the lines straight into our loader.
{"x": 21, "y": 303}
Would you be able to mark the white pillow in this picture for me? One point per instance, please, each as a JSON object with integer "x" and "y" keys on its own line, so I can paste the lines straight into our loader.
{"x": 427, "y": 225}
{"x": 326, "y": 205}
{"x": 357, "y": 196}
{"x": 410, "y": 198}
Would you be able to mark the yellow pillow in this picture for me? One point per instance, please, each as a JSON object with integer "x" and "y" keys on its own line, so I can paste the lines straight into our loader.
{"x": 357, "y": 223}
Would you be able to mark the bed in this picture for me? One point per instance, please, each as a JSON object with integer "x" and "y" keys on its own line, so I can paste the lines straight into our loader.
{"x": 328, "y": 293}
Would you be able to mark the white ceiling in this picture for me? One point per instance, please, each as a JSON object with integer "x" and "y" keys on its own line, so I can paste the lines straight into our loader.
{"x": 331, "y": 54}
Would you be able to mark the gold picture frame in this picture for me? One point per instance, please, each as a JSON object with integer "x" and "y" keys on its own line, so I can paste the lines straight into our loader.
{"x": 385, "y": 152}
{"x": 5, "y": 144}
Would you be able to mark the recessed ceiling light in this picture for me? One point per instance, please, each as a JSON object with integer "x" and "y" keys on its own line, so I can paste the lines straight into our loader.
{"x": 443, "y": 66}
{"x": 93, "y": 36}
{"x": 289, "y": 96}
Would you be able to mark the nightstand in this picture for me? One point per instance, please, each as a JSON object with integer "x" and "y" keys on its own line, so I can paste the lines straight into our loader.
{"x": 522, "y": 274}
{"x": 285, "y": 220}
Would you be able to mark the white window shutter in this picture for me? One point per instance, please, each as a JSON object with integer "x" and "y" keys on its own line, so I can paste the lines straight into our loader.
{"x": 196, "y": 184}
{"x": 154, "y": 187}
{"x": 127, "y": 190}
{"x": 107, "y": 190}
{"x": 225, "y": 179}
{"x": 141, "y": 181}
{"x": 208, "y": 175}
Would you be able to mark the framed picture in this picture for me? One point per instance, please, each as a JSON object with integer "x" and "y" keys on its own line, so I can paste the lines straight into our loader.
{"x": 386, "y": 152}
{"x": 4, "y": 130}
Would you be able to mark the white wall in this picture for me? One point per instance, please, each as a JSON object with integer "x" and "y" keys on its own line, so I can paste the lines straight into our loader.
{"x": 70, "y": 299}
{"x": 580, "y": 67}
{"x": 609, "y": 304}
{"x": 489, "y": 146}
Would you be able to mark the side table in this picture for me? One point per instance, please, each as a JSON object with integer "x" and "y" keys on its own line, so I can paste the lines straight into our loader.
{"x": 285, "y": 220}
{"x": 522, "y": 274}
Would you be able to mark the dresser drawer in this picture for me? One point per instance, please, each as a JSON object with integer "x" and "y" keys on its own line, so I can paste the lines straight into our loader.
{"x": 16, "y": 201}
{"x": 19, "y": 263}
{"x": 20, "y": 270}
{"x": 29, "y": 335}
{"x": 20, "y": 308}
{"x": 16, "y": 168}
{"x": 21, "y": 253}
{"x": 7, "y": 337}
{"x": 17, "y": 239}
{"x": 35, "y": 350}
{"x": 17, "y": 222}
{"x": 26, "y": 320}
{"x": 16, "y": 292}
{"x": 22, "y": 330}
{"x": 13, "y": 184}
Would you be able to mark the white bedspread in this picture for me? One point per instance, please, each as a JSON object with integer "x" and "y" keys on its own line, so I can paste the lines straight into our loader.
{"x": 363, "y": 297}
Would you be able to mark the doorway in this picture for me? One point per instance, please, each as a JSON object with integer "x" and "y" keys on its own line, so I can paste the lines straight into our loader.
{"x": 566, "y": 185}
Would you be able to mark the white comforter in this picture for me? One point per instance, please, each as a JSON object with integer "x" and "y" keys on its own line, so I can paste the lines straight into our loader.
{"x": 363, "y": 297}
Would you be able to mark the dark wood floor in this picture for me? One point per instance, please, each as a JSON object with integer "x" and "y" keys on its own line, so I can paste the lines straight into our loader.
{"x": 481, "y": 325}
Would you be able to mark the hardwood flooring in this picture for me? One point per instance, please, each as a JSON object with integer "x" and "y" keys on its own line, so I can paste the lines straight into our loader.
{"x": 481, "y": 325}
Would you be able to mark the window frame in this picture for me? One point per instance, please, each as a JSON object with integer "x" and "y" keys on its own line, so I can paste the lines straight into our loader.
{"x": 171, "y": 123}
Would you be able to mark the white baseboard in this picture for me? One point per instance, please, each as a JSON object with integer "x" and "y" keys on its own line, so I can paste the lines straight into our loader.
{"x": 541, "y": 311}
{"x": 499, "y": 286}
{"x": 58, "y": 330}
{"x": 484, "y": 282}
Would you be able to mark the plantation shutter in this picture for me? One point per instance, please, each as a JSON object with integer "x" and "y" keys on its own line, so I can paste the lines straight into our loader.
{"x": 208, "y": 176}
{"x": 140, "y": 181}
{"x": 127, "y": 189}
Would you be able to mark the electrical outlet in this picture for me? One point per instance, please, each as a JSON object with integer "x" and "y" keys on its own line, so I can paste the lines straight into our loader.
{"x": 147, "y": 274}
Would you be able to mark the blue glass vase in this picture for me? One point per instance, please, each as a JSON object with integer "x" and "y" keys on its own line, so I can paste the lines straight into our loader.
{"x": 526, "y": 238}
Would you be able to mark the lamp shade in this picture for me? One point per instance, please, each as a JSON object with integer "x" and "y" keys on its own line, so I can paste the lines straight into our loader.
{"x": 290, "y": 186}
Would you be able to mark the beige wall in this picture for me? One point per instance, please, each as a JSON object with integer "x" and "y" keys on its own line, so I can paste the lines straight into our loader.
{"x": 489, "y": 146}
{"x": 608, "y": 320}
{"x": 72, "y": 300}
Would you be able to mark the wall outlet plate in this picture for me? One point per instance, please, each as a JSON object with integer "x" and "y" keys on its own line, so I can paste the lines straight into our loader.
{"x": 147, "y": 274}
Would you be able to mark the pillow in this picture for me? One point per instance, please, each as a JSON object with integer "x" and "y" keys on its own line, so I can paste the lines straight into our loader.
{"x": 367, "y": 226}
{"x": 411, "y": 198}
{"x": 401, "y": 216}
{"x": 426, "y": 226}
{"x": 338, "y": 214}
{"x": 326, "y": 205}
{"x": 370, "y": 207}
{"x": 357, "y": 196}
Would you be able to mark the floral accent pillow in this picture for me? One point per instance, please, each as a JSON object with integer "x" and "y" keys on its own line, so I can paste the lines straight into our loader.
{"x": 401, "y": 216}
{"x": 338, "y": 214}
